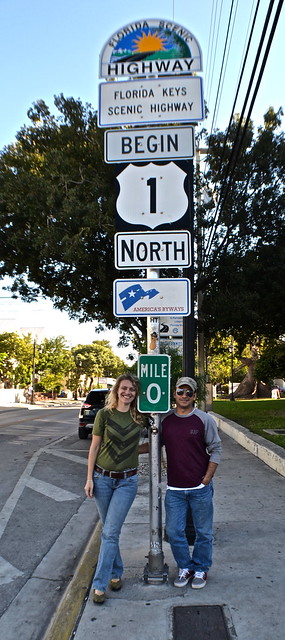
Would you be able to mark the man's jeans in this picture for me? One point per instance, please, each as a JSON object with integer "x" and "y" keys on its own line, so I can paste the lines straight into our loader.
{"x": 113, "y": 499}
{"x": 176, "y": 506}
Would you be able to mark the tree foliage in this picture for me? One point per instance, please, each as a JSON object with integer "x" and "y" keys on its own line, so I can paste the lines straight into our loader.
{"x": 272, "y": 362}
{"x": 54, "y": 363}
{"x": 95, "y": 360}
{"x": 16, "y": 357}
{"x": 242, "y": 279}
{"x": 220, "y": 360}
{"x": 57, "y": 208}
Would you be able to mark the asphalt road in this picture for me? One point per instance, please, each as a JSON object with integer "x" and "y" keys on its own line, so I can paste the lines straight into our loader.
{"x": 45, "y": 520}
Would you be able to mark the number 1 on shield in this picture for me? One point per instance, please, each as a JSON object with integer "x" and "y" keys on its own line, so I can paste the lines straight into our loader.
{"x": 152, "y": 184}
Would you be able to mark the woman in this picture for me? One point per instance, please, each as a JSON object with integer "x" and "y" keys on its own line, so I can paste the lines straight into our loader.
{"x": 112, "y": 476}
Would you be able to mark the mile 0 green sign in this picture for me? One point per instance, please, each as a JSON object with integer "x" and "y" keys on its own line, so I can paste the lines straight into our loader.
{"x": 154, "y": 377}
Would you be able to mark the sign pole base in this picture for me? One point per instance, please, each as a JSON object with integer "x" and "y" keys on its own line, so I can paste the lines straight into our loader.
{"x": 151, "y": 576}
{"x": 156, "y": 571}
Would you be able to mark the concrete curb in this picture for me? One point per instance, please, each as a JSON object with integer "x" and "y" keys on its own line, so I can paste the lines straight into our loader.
{"x": 268, "y": 452}
{"x": 64, "y": 619}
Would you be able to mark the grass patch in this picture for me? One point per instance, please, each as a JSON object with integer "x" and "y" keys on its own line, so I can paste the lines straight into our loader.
{"x": 256, "y": 415}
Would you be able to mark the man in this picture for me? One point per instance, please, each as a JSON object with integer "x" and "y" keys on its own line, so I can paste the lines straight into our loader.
{"x": 193, "y": 450}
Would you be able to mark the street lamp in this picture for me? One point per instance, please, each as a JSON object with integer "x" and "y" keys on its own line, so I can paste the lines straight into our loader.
{"x": 231, "y": 350}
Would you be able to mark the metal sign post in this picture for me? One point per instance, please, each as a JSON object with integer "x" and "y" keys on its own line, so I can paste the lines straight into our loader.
{"x": 156, "y": 570}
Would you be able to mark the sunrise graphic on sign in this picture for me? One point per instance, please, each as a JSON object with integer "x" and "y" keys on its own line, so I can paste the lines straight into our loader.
{"x": 150, "y": 42}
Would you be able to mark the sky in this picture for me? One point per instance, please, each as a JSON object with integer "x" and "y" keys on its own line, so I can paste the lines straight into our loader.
{"x": 48, "y": 47}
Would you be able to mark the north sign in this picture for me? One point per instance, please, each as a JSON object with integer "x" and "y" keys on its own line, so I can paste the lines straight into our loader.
{"x": 154, "y": 377}
{"x": 152, "y": 297}
{"x": 156, "y": 249}
{"x": 159, "y": 100}
{"x": 137, "y": 145}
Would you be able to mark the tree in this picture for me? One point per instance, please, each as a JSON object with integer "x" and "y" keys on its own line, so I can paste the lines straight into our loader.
{"x": 54, "y": 362}
{"x": 95, "y": 360}
{"x": 57, "y": 214}
{"x": 57, "y": 223}
{"x": 16, "y": 359}
{"x": 242, "y": 279}
{"x": 219, "y": 360}
{"x": 250, "y": 386}
{"x": 272, "y": 362}
{"x": 243, "y": 225}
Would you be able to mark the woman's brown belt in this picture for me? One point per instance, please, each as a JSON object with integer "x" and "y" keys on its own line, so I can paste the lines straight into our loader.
{"x": 117, "y": 475}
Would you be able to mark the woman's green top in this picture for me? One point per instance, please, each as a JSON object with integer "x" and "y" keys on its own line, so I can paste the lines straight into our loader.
{"x": 120, "y": 439}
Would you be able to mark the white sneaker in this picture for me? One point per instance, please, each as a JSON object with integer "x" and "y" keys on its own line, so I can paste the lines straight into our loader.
{"x": 183, "y": 577}
{"x": 199, "y": 580}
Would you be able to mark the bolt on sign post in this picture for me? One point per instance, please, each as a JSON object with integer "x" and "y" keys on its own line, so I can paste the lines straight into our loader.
{"x": 151, "y": 97}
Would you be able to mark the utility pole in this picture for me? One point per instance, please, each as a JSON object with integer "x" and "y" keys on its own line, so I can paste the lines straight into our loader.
{"x": 200, "y": 295}
{"x": 188, "y": 364}
{"x": 33, "y": 373}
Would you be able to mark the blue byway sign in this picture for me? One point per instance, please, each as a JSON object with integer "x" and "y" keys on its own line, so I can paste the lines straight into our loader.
{"x": 152, "y": 297}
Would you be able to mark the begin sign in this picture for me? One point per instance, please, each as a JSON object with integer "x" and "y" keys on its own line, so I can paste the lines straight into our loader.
{"x": 164, "y": 143}
{"x": 154, "y": 377}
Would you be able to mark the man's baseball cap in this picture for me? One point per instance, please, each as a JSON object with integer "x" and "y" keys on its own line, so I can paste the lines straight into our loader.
{"x": 189, "y": 381}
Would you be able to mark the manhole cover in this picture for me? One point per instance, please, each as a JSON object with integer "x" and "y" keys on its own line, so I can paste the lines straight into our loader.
{"x": 206, "y": 622}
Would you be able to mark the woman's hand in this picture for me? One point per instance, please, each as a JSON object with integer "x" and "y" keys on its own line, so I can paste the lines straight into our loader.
{"x": 93, "y": 452}
{"x": 89, "y": 488}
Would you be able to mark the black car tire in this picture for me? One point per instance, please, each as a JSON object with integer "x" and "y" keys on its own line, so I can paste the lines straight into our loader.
{"x": 82, "y": 433}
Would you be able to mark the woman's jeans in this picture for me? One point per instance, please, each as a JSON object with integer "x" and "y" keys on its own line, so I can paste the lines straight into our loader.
{"x": 176, "y": 506}
{"x": 113, "y": 499}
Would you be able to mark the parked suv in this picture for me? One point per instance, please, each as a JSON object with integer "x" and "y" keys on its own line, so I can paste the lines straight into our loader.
{"x": 94, "y": 401}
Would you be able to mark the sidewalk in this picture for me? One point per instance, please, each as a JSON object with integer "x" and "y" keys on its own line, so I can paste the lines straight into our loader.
{"x": 246, "y": 580}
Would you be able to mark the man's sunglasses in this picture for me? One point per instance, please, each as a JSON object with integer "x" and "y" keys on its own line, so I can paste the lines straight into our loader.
{"x": 180, "y": 392}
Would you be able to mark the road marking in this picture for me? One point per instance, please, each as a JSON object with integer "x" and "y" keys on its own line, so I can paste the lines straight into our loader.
{"x": 8, "y": 572}
{"x": 50, "y": 490}
{"x": 11, "y": 502}
{"x": 67, "y": 456}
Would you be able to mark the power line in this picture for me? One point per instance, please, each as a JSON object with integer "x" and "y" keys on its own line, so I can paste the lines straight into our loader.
{"x": 222, "y": 64}
{"x": 217, "y": 213}
{"x": 214, "y": 57}
{"x": 239, "y": 140}
{"x": 240, "y": 81}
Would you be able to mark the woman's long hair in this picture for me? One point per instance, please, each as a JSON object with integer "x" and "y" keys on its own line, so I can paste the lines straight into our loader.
{"x": 112, "y": 397}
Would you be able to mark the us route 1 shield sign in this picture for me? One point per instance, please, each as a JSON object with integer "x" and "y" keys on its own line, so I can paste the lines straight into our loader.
{"x": 152, "y": 297}
{"x": 153, "y": 195}
{"x": 154, "y": 377}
